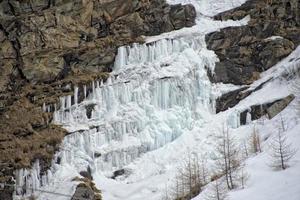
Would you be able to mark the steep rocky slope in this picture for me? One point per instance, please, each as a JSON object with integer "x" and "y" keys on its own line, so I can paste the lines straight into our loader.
{"x": 244, "y": 52}
{"x": 46, "y": 48}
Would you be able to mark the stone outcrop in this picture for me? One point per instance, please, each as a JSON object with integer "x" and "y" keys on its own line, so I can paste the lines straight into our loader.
{"x": 279, "y": 105}
{"x": 232, "y": 98}
{"x": 47, "y": 47}
{"x": 271, "y": 34}
{"x": 270, "y": 109}
{"x": 86, "y": 190}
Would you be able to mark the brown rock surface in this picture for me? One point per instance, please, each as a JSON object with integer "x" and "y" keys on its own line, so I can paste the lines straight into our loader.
{"x": 42, "y": 33}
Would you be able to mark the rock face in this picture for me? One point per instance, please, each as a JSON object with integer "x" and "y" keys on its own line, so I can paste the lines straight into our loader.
{"x": 271, "y": 34}
{"x": 231, "y": 99}
{"x": 50, "y": 39}
{"x": 47, "y": 47}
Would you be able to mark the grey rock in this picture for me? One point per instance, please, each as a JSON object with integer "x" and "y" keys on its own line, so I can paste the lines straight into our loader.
{"x": 280, "y": 105}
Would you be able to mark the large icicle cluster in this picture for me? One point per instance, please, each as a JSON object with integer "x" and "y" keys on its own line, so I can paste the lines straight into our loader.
{"x": 153, "y": 95}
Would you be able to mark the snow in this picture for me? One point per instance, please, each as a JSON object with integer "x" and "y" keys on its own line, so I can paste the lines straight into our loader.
{"x": 264, "y": 182}
{"x": 157, "y": 106}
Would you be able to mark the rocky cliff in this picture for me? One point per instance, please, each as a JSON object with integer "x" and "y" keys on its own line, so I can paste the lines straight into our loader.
{"x": 47, "y": 47}
{"x": 271, "y": 34}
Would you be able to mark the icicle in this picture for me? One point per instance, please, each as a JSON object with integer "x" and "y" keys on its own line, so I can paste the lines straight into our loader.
{"x": 62, "y": 103}
{"x": 48, "y": 109}
{"x": 84, "y": 91}
{"x": 248, "y": 118}
{"x": 75, "y": 95}
{"x": 121, "y": 58}
{"x": 69, "y": 101}
{"x": 93, "y": 90}
{"x": 44, "y": 107}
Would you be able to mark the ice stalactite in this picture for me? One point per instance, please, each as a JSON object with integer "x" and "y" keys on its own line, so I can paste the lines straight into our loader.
{"x": 233, "y": 119}
{"x": 248, "y": 118}
{"x": 138, "y": 54}
{"x": 28, "y": 181}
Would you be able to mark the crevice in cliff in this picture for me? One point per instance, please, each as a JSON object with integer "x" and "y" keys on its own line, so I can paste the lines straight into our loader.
{"x": 11, "y": 7}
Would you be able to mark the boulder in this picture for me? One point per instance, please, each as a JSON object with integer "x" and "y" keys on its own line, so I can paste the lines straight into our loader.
{"x": 279, "y": 105}
{"x": 117, "y": 173}
{"x": 83, "y": 192}
{"x": 42, "y": 68}
{"x": 86, "y": 190}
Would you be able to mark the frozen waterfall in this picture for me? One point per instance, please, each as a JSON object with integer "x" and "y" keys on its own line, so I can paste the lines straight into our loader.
{"x": 154, "y": 94}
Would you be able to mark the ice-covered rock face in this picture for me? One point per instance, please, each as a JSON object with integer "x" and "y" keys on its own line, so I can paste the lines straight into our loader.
{"x": 152, "y": 97}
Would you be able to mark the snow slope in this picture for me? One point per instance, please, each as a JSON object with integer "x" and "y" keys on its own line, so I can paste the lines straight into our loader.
{"x": 158, "y": 106}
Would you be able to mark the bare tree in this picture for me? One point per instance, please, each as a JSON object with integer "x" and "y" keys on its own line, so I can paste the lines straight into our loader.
{"x": 242, "y": 176}
{"x": 166, "y": 195}
{"x": 191, "y": 177}
{"x": 204, "y": 171}
{"x": 281, "y": 151}
{"x": 178, "y": 190}
{"x": 217, "y": 190}
{"x": 283, "y": 124}
{"x": 245, "y": 149}
{"x": 255, "y": 141}
{"x": 229, "y": 159}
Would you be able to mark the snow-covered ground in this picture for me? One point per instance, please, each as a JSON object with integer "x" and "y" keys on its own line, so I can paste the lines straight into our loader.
{"x": 157, "y": 107}
{"x": 265, "y": 183}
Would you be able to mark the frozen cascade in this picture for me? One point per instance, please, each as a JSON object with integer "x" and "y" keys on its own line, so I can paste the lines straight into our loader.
{"x": 154, "y": 94}
{"x": 139, "y": 54}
